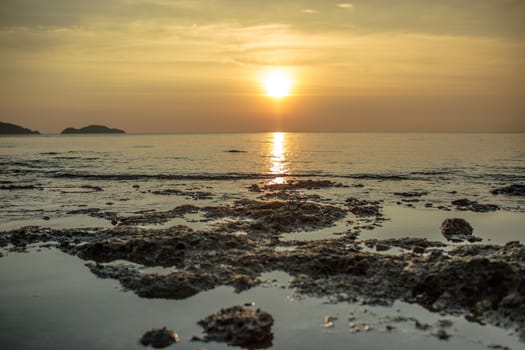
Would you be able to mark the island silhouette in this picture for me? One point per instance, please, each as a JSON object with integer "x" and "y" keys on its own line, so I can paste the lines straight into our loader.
{"x": 93, "y": 129}
{"x": 13, "y": 129}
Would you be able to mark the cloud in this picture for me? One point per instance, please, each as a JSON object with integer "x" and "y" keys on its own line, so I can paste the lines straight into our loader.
{"x": 448, "y": 17}
{"x": 345, "y": 6}
{"x": 344, "y": 53}
{"x": 309, "y": 11}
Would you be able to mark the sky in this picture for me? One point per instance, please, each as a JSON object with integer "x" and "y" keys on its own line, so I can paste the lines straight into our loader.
{"x": 198, "y": 65}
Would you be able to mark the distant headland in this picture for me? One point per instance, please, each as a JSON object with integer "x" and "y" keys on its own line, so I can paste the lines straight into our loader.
{"x": 93, "y": 129}
{"x": 13, "y": 129}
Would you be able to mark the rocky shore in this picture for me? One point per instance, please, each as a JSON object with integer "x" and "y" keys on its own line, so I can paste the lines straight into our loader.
{"x": 483, "y": 282}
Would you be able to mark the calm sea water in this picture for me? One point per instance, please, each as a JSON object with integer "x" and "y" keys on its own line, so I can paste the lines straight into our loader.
{"x": 129, "y": 168}
{"x": 55, "y": 298}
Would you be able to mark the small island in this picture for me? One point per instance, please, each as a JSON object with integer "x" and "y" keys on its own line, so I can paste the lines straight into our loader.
{"x": 13, "y": 129}
{"x": 93, "y": 129}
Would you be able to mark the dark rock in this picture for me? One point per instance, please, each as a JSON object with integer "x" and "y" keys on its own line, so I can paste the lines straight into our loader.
{"x": 462, "y": 202}
{"x": 242, "y": 282}
{"x": 93, "y": 129}
{"x": 364, "y": 208}
{"x": 418, "y": 250}
{"x": 408, "y": 243}
{"x": 441, "y": 334}
{"x": 457, "y": 230}
{"x": 275, "y": 217}
{"x": 13, "y": 129}
{"x": 512, "y": 190}
{"x": 93, "y": 188}
{"x": 411, "y": 194}
{"x": 483, "y": 208}
{"x": 154, "y": 217}
{"x": 411, "y": 200}
{"x": 93, "y": 212}
{"x": 421, "y": 326}
{"x": 176, "y": 285}
{"x": 18, "y": 187}
{"x": 188, "y": 194}
{"x": 302, "y": 184}
{"x": 382, "y": 247}
{"x": 485, "y": 283}
{"x": 476, "y": 284}
{"x": 239, "y": 326}
{"x": 254, "y": 188}
{"x": 466, "y": 204}
{"x": 445, "y": 323}
{"x": 171, "y": 249}
{"x": 290, "y": 196}
{"x": 159, "y": 338}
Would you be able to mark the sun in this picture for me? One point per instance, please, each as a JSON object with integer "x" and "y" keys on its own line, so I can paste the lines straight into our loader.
{"x": 277, "y": 84}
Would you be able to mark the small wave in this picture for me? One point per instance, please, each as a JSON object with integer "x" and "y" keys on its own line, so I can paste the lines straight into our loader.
{"x": 129, "y": 177}
{"x": 431, "y": 172}
{"x": 511, "y": 178}
{"x": 389, "y": 177}
{"x": 230, "y": 176}
{"x": 66, "y": 158}
{"x": 31, "y": 164}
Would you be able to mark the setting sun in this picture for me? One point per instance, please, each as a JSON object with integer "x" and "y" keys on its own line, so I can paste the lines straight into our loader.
{"x": 277, "y": 84}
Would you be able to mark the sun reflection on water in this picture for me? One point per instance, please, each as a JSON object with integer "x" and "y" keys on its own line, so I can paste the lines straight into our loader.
{"x": 278, "y": 158}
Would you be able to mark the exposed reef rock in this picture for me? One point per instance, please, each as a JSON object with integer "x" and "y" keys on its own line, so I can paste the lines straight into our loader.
{"x": 486, "y": 283}
{"x": 408, "y": 243}
{"x": 292, "y": 190}
{"x": 302, "y": 185}
{"x": 197, "y": 195}
{"x": 364, "y": 208}
{"x": 274, "y": 217}
{"x": 458, "y": 230}
{"x": 13, "y": 129}
{"x": 237, "y": 325}
{"x": 159, "y": 338}
{"x": 467, "y": 204}
{"x": 19, "y": 187}
{"x": 176, "y": 285}
{"x": 410, "y": 194}
{"x": 149, "y": 217}
{"x": 173, "y": 247}
{"x": 471, "y": 284}
{"x": 511, "y": 190}
{"x": 93, "y": 129}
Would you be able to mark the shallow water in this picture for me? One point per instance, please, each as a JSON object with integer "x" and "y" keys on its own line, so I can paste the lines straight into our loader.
{"x": 52, "y": 301}
{"x": 67, "y": 170}
{"x": 56, "y": 299}
{"x": 120, "y": 174}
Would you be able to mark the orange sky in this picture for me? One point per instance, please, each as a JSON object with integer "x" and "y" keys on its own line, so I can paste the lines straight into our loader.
{"x": 197, "y": 66}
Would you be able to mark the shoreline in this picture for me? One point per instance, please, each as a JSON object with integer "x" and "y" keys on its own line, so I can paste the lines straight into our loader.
{"x": 244, "y": 241}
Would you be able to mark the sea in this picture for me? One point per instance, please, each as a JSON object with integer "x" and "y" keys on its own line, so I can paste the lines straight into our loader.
{"x": 50, "y": 300}
{"x": 124, "y": 174}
